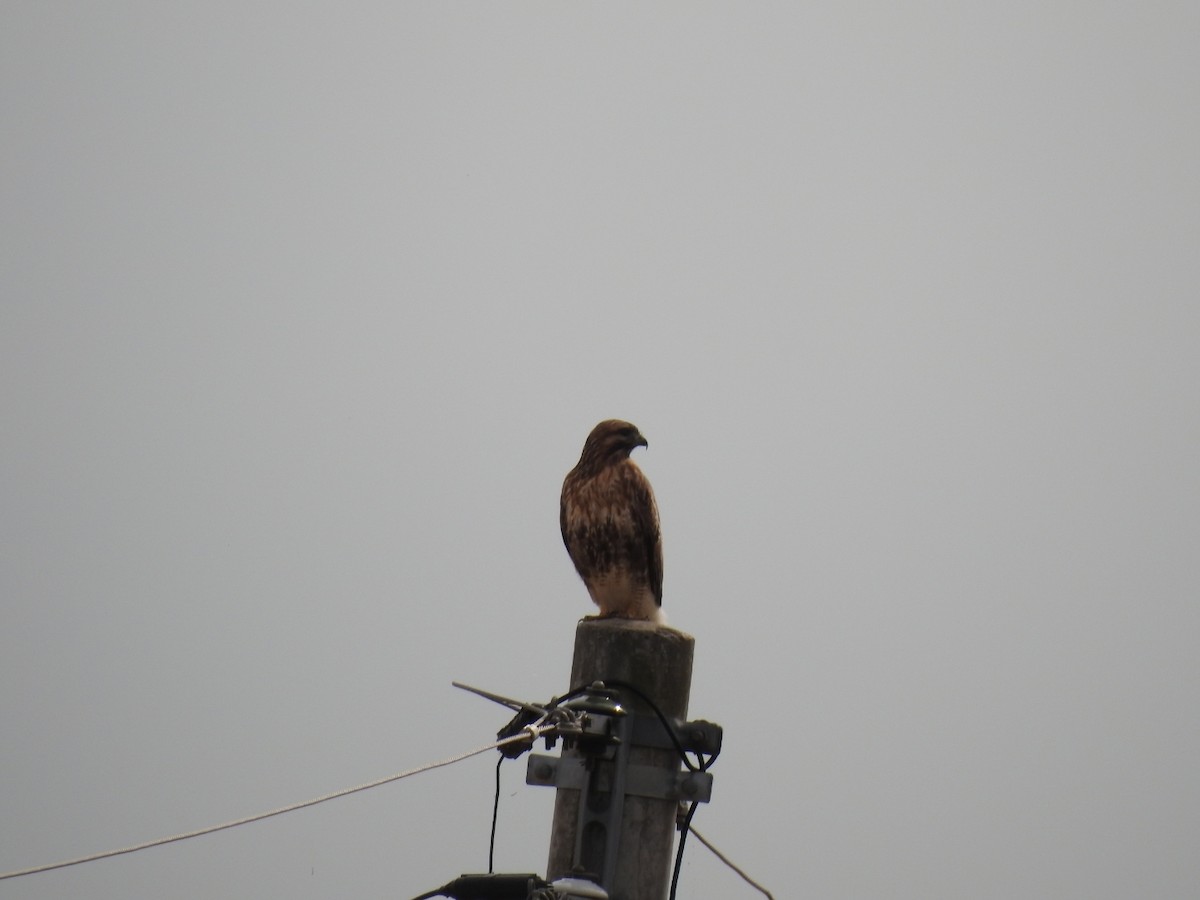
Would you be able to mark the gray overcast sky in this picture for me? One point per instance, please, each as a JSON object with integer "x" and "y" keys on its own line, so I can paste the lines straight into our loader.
{"x": 307, "y": 309}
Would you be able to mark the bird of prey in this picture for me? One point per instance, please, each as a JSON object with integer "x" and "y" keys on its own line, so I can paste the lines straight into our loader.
{"x": 609, "y": 523}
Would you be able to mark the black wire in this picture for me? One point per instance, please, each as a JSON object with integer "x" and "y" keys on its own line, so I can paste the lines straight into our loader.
{"x": 495, "y": 814}
{"x": 701, "y": 764}
{"x": 683, "y": 833}
{"x": 569, "y": 695}
{"x": 666, "y": 723}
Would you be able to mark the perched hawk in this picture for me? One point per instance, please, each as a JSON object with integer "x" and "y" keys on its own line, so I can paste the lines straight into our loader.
{"x": 609, "y": 524}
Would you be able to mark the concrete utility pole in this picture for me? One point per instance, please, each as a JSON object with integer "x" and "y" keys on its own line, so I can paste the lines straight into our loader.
{"x": 631, "y": 787}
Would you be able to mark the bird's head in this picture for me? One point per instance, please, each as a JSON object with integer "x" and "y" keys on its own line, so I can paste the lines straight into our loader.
{"x": 611, "y": 441}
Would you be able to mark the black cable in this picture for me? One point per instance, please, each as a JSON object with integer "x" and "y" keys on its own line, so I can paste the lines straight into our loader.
{"x": 683, "y": 833}
{"x": 495, "y": 813}
{"x": 701, "y": 764}
{"x": 666, "y": 723}
{"x": 569, "y": 695}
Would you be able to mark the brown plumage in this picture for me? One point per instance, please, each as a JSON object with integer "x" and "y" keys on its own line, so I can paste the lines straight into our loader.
{"x": 609, "y": 523}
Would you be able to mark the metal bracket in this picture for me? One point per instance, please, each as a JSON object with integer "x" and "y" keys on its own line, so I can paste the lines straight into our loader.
{"x": 641, "y": 781}
{"x": 696, "y": 737}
